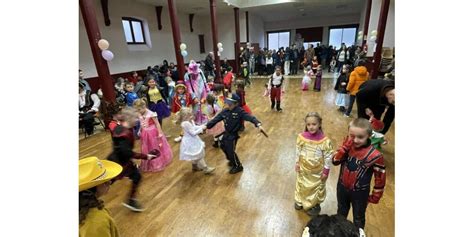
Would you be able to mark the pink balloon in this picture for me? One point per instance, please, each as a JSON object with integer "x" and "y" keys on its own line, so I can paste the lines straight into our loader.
{"x": 107, "y": 55}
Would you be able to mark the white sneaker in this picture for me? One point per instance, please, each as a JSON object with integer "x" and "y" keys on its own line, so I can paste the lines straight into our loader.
{"x": 178, "y": 139}
{"x": 209, "y": 170}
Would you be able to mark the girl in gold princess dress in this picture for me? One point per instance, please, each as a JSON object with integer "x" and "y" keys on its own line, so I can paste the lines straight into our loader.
{"x": 314, "y": 152}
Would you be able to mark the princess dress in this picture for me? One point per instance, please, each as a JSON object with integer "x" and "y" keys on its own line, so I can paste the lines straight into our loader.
{"x": 211, "y": 111}
{"x": 192, "y": 147}
{"x": 150, "y": 140}
{"x": 306, "y": 81}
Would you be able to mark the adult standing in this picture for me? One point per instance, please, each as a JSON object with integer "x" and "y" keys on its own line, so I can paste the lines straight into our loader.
{"x": 195, "y": 81}
{"x": 209, "y": 65}
{"x": 294, "y": 60}
{"x": 251, "y": 62}
{"x": 287, "y": 61}
{"x": 309, "y": 54}
{"x": 342, "y": 57}
{"x": 83, "y": 81}
{"x": 377, "y": 95}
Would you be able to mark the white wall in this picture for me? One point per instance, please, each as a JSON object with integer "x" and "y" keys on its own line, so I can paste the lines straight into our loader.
{"x": 256, "y": 30}
{"x": 306, "y": 23}
{"x": 162, "y": 41}
{"x": 362, "y": 22}
{"x": 389, "y": 36}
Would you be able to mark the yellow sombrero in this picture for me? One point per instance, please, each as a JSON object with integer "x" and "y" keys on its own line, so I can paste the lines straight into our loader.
{"x": 93, "y": 172}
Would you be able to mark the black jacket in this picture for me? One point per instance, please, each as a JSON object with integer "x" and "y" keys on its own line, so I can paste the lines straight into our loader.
{"x": 232, "y": 121}
{"x": 370, "y": 92}
{"x": 344, "y": 77}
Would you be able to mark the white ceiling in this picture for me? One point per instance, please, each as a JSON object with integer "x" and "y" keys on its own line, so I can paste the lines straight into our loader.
{"x": 289, "y": 10}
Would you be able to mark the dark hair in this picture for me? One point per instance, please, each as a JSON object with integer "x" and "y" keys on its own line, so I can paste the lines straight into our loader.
{"x": 88, "y": 200}
{"x": 218, "y": 87}
{"x": 240, "y": 84}
{"x": 361, "y": 62}
{"x": 128, "y": 83}
{"x": 314, "y": 115}
{"x": 210, "y": 99}
{"x": 277, "y": 67}
{"x": 332, "y": 226}
{"x": 81, "y": 85}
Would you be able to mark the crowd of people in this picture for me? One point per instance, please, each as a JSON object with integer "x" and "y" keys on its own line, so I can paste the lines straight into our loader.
{"x": 202, "y": 105}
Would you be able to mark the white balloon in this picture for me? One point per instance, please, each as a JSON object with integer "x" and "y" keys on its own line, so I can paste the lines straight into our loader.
{"x": 219, "y": 45}
{"x": 221, "y": 49}
{"x": 373, "y": 38}
{"x": 219, "y": 54}
{"x": 103, "y": 44}
{"x": 373, "y": 33}
{"x": 182, "y": 46}
{"x": 360, "y": 32}
{"x": 107, "y": 55}
{"x": 359, "y": 37}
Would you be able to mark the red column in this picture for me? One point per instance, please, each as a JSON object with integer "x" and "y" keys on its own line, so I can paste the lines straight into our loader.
{"x": 176, "y": 38}
{"x": 237, "y": 40}
{"x": 218, "y": 78}
{"x": 367, "y": 20}
{"x": 93, "y": 34}
{"x": 380, "y": 34}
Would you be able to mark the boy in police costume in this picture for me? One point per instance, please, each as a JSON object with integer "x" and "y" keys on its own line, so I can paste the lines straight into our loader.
{"x": 232, "y": 115}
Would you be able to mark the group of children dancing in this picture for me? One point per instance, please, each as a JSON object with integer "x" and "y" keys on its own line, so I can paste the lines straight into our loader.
{"x": 200, "y": 108}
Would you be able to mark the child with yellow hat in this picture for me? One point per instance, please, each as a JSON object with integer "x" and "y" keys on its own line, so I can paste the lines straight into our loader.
{"x": 94, "y": 181}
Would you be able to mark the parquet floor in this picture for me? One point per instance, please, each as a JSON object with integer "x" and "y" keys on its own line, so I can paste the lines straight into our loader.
{"x": 258, "y": 201}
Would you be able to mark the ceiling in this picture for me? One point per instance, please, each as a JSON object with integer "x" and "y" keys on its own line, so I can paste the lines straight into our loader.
{"x": 268, "y": 10}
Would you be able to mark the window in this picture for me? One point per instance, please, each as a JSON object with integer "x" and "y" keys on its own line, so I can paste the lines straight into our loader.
{"x": 339, "y": 35}
{"x": 277, "y": 40}
{"x": 306, "y": 44}
{"x": 133, "y": 30}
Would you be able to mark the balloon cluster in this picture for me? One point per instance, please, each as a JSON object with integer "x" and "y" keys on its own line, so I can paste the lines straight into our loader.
{"x": 373, "y": 35}
{"x": 359, "y": 35}
{"x": 220, "y": 49}
{"x": 184, "y": 53}
{"x": 106, "y": 54}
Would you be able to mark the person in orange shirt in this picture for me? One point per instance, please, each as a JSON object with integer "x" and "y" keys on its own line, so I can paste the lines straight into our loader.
{"x": 356, "y": 78}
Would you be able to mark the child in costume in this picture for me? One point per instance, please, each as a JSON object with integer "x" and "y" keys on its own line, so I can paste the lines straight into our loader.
{"x": 228, "y": 78}
{"x": 359, "y": 160}
{"x": 306, "y": 79}
{"x": 192, "y": 147}
{"x": 171, "y": 89}
{"x": 130, "y": 95}
{"x": 241, "y": 93}
{"x": 181, "y": 99}
{"x": 314, "y": 151}
{"x": 195, "y": 81}
{"x": 210, "y": 82}
{"x": 152, "y": 138}
{"x": 377, "y": 138}
{"x": 94, "y": 182}
{"x": 220, "y": 95}
{"x": 155, "y": 100}
{"x": 314, "y": 64}
{"x": 319, "y": 75}
{"x": 123, "y": 141}
{"x": 211, "y": 109}
{"x": 342, "y": 98}
{"x": 244, "y": 73}
{"x": 332, "y": 65}
{"x": 275, "y": 84}
{"x": 266, "y": 92}
{"x": 232, "y": 115}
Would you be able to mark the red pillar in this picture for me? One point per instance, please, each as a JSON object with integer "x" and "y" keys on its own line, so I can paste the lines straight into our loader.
{"x": 176, "y": 38}
{"x": 237, "y": 40}
{"x": 366, "y": 24}
{"x": 380, "y": 34}
{"x": 93, "y": 34}
{"x": 218, "y": 78}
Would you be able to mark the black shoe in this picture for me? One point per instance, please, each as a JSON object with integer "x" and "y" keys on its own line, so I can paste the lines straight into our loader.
{"x": 236, "y": 169}
{"x": 133, "y": 205}
{"x": 314, "y": 211}
{"x": 342, "y": 109}
{"x": 216, "y": 144}
{"x": 230, "y": 164}
{"x": 298, "y": 207}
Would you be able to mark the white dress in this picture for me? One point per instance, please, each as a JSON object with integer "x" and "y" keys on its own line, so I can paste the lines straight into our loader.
{"x": 192, "y": 147}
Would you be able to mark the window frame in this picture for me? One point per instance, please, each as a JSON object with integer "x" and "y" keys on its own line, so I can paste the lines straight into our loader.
{"x": 356, "y": 26}
{"x": 279, "y": 31}
{"x": 130, "y": 20}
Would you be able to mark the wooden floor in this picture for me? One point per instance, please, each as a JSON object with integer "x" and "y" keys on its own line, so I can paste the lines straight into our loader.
{"x": 257, "y": 202}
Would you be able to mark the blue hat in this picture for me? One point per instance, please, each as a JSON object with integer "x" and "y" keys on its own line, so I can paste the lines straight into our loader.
{"x": 234, "y": 99}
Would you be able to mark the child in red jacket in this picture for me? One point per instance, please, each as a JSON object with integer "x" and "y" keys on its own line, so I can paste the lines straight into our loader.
{"x": 181, "y": 99}
{"x": 359, "y": 160}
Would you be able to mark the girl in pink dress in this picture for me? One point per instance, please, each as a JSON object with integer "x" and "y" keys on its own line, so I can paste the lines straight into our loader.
{"x": 152, "y": 138}
{"x": 211, "y": 109}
